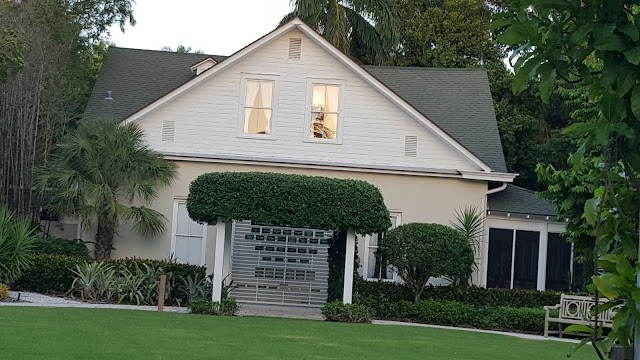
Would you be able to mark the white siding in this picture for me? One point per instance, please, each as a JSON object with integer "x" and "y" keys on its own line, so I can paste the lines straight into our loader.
{"x": 373, "y": 128}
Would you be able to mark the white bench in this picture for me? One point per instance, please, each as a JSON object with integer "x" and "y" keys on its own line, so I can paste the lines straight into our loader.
{"x": 576, "y": 310}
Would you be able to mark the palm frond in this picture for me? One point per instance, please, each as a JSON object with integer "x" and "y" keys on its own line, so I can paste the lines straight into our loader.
{"x": 147, "y": 221}
{"x": 470, "y": 222}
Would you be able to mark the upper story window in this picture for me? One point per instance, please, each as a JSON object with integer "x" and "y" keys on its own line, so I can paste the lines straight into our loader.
{"x": 325, "y": 111}
{"x": 259, "y": 106}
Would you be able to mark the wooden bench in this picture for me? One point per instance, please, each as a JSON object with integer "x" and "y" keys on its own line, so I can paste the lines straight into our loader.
{"x": 576, "y": 310}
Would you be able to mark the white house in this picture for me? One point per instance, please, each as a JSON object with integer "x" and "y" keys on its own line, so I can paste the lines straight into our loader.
{"x": 292, "y": 103}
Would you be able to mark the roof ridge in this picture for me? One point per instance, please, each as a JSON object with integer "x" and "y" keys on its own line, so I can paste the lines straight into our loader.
{"x": 164, "y": 51}
{"x": 424, "y": 68}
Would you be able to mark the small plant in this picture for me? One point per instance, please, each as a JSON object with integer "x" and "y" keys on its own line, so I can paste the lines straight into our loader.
{"x": 4, "y": 292}
{"x": 226, "y": 307}
{"x": 94, "y": 280}
{"x": 16, "y": 246}
{"x": 351, "y": 313}
{"x": 196, "y": 287}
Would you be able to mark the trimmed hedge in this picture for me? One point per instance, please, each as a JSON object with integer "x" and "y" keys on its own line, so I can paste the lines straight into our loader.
{"x": 291, "y": 200}
{"x": 350, "y": 313}
{"x": 52, "y": 273}
{"x": 48, "y": 273}
{"x": 453, "y": 313}
{"x": 371, "y": 293}
{"x": 227, "y": 307}
{"x": 56, "y": 246}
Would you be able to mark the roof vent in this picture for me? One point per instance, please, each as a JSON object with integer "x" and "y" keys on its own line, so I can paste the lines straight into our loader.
{"x": 411, "y": 146}
{"x": 108, "y": 97}
{"x": 168, "y": 131}
{"x": 295, "y": 48}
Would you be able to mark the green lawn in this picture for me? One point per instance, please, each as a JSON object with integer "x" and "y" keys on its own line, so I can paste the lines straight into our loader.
{"x": 56, "y": 333}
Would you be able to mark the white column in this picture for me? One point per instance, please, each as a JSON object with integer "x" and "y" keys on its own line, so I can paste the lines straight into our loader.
{"x": 218, "y": 263}
{"x": 349, "y": 260}
{"x": 542, "y": 257}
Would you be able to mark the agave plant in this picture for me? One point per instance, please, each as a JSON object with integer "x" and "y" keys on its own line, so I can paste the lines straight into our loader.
{"x": 93, "y": 280}
{"x": 16, "y": 244}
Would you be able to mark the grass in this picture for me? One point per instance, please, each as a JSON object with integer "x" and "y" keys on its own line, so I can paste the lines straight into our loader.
{"x": 58, "y": 333}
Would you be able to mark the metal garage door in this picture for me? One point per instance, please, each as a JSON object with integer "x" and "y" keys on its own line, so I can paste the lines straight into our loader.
{"x": 280, "y": 265}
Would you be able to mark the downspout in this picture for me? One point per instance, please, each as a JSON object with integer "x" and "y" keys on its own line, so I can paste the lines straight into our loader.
{"x": 484, "y": 257}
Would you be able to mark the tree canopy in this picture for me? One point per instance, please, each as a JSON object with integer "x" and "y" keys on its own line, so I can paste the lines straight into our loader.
{"x": 366, "y": 29}
{"x": 593, "y": 46}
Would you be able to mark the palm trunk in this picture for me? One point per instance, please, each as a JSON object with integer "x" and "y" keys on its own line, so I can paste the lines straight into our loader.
{"x": 104, "y": 239}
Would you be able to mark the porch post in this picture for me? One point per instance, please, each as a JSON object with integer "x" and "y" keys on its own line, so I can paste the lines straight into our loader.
{"x": 218, "y": 263}
{"x": 349, "y": 259}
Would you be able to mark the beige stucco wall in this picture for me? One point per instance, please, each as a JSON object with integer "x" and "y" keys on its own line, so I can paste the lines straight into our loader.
{"x": 418, "y": 198}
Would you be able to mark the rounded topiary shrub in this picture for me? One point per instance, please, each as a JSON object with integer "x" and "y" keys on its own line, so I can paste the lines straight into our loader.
{"x": 420, "y": 251}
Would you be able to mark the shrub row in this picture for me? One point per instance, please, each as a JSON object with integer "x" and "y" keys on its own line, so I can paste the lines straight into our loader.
{"x": 453, "y": 313}
{"x": 52, "y": 273}
{"x": 56, "y": 246}
{"x": 371, "y": 293}
{"x": 227, "y": 307}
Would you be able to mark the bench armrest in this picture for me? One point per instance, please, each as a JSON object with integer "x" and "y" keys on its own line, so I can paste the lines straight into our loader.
{"x": 557, "y": 306}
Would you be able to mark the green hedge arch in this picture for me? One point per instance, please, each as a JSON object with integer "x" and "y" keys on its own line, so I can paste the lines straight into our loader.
{"x": 288, "y": 200}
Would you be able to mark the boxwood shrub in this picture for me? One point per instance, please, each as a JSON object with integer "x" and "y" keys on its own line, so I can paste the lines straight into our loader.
{"x": 351, "y": 313}
{"x": 56, "y": 246}
{"x": 453, "y": 313}
{"x": 372, "y": 292}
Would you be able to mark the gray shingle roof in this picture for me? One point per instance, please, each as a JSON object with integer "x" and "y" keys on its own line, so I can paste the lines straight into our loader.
{"x": 136, "y": 78}
{"x": 517, "y": 200}
{"x": 457, "y": 100}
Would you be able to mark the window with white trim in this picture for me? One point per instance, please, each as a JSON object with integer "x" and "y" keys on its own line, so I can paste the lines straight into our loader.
{"x": 325, "y": 111}
{"x": 376, "y": 267}
{"x": 258, "y": 106}
{"x": 188, "y": 238}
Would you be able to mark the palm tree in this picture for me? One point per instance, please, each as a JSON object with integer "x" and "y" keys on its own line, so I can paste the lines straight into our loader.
{"x": 363, "y": 28}
{"x": 16, "y": 244}
{"x": 104, "y": 172}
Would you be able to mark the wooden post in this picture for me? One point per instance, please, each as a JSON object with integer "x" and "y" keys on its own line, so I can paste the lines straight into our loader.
{"x": 163, "y": 286}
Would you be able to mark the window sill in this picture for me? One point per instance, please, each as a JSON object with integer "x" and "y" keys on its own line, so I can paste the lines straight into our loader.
{"x": 322, "y": 141}
{"x": 381, "y": 280}
{"x": 256, "y": 137}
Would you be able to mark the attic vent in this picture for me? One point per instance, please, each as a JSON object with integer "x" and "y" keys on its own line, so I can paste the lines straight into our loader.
{"x": 295, "y": 48}
{"x": 169, "y": 131}
{"x": 411, "y": 146}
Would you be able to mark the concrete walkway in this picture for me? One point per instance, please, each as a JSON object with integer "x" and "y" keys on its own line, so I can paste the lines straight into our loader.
{"x": 29, "y": 299}
{"x": 518, "y": 335}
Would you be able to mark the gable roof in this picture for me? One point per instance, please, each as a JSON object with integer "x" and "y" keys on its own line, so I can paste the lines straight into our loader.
{"x": 518, "y": 200}
{"x": 457, "y": 100}
{"x": 137, "y": 78}
{"x": 142, "y": 91}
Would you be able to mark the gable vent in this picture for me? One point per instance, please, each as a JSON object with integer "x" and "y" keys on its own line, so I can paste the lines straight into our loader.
{"x": 169, "y": 131}
{"x": 295, "y": 48}
{"x": 411, "y": 146}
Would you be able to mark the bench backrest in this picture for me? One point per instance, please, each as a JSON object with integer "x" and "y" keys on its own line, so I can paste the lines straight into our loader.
{"x": 581, "y": 307}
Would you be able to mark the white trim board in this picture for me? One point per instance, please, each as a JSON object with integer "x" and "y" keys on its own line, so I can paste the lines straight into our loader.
{"x": 493, "y": 176}
{"x": 300, "y": 25}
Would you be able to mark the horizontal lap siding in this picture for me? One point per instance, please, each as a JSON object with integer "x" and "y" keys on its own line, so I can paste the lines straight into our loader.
{"x": 373, "y": 128}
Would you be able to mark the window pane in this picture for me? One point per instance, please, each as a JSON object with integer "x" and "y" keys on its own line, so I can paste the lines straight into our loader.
{"x": 324, "y": 125}
{"x": 558, "y": 263}
{"x": 317, "y": 103}
{"x": 332, "y": 98}
{"x": 525, "y": 266}
{"x": 257, "y": 121}
{"x": 499, "y": 266}
{"x": 259, "y": 94}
